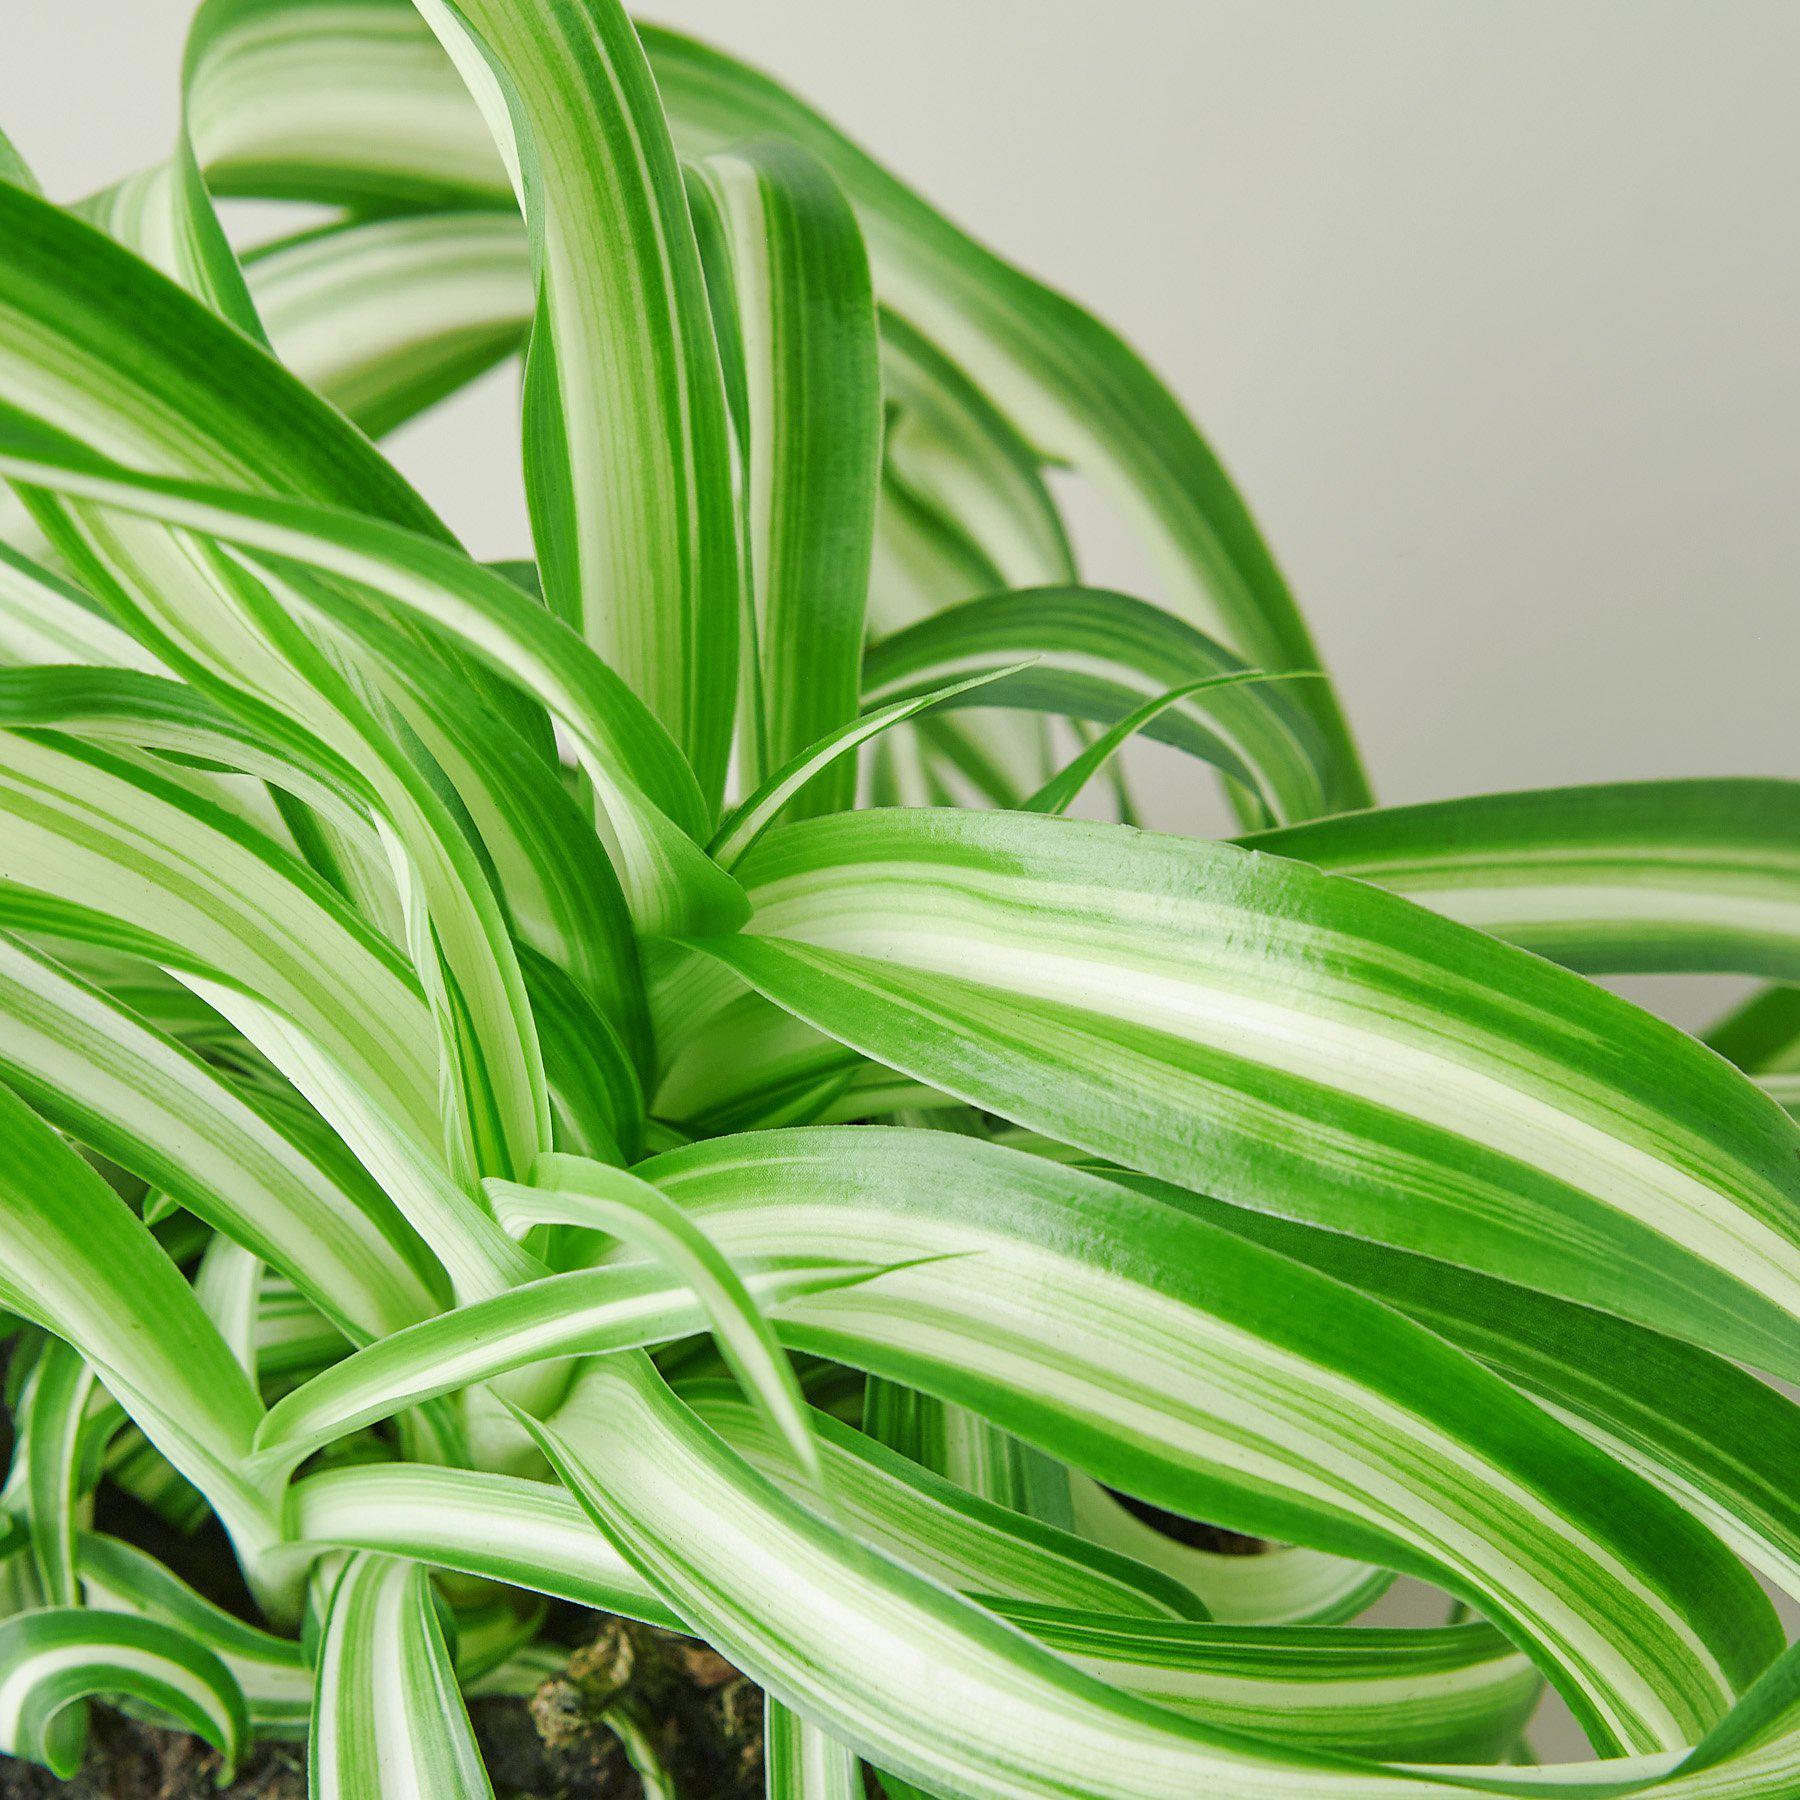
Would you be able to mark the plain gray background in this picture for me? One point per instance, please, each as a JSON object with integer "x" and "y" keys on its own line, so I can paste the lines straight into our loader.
{"x": 1490, "y": 307}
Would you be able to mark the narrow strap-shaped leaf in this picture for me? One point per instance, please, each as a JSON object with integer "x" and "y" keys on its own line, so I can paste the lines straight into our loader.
{"x": 126, "y": 706}
{"x": 103, "y": 1075}
{"x": 228, "y": 1285}
{"x": 755, "y": 814}
{"x": 1763, "y": 1035}
{"x": 165, "y": 216}
{"x": 1101, "y": 655}
{"x": 530, "y": 1534}
{"x": 103, "y": 370}
{"x": 1457, "y": 1693}
{"x": 956, "y": 463}
{"x": 1060, "y": 792}
{"x": 94, "y": 339}
{"x": 630, "y": 1722}
{"x": 789, "y": 279}
{"x": 1075, "y": 388}
{"x": 594, "y": 1082}
{"x": 572, "y": 1190}
{"x": 1282, "y": 1584}
{"x": 1222, "y": 1387}
{"x": 651, "y": 798}
{"x": 293, "y": 1338}
{"x": 803, "y": 1762}
{"x": 256, "y": 75}
{"x": 136, "y": 1467}
{"x": 388, "y": 1718}
{"x": 1298, "y": 1042}
{"x": 491, "y": 1631}
{"x": 559, "y": 1316}
{"x": 968, "y": 1450}
{"x": 112, "y": 838}
{"x": 495, "y": 1111}
{"x": 731, "y": 1059}
{"x": 547, "y": 883}
{"x": 961, "y": 1538}
{"x": 626, "y": 437}
{"x": 14, "y": 168}
{"x": 1639, "y": 876}
{"x": 477, "y": 1257}
{"x": 891, "y": 1665}
{"x": 384, "y": 317}
{"x": 47, "y": 619}
{"x": 1720, "y": 1441}
{"x": 563, "y": 898}
{"x": 495, "y": 1102}
{"x": 68, "y": 1236}
{"x": 273, "y": 1672}
{"x": 48, "y": 1449}
{"x": 53, "y": 1659}
{"x": 965, "y": 510}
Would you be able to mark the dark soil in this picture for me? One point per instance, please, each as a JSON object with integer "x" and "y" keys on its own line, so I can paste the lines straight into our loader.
{"x": 704, "y": 1718}
{"x": 127, "y": 1761}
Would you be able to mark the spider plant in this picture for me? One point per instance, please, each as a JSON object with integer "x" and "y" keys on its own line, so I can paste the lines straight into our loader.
{"x": 488, "y": 1115}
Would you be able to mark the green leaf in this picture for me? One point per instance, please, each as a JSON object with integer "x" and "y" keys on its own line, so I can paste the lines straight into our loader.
{"x": 141, "y": 364}
{"x": 653, "y": 806}
{"x": 558, "y": 1316}
{"x": 627, "y": 468}
{"x": 82, "y": 1265}
{"x": 1640, "y": 876}
{"x": 273, "y": 1673}
{"x": 1717, "y": 1439}
{"x": 1294, "y": 1042}
{"x": 1455, "y": 1693}
{"x": 46, "y": 619}
{"x": 388, "y": 1718}
{"x": 384, "y": 317}
{"x": 128, "y": 859}
{"x": 571, "y": 1190}
{"x": 1073, "y": 386}
{"x": 48, "y": 1448}
{"x": 530, "y": 1534}
{"x": 53, "y": 1659}
{"x": 103, "y": 1075}
{"x": 1101, "y": 656}
{"x": 1280, "y": 1584}
{"x": 789, "y": 282}
{"x": 965, "y": 506}
{"x": 858, "y": 1644}
{"x": 1763, "y": 1035}
{"x": 1064, "y": 787}
{"x": 805, "y": 1763}
{"x": 755, "y": 814}
{"x": 960, "y": 1538}
{"x": 1242, "y": 1389}
{"x": 970, "y": 1451}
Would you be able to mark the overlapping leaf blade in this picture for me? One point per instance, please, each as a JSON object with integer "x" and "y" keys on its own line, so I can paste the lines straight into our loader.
{"x": 1652, "y": 876}
{"x": 1249, "y": 1027}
